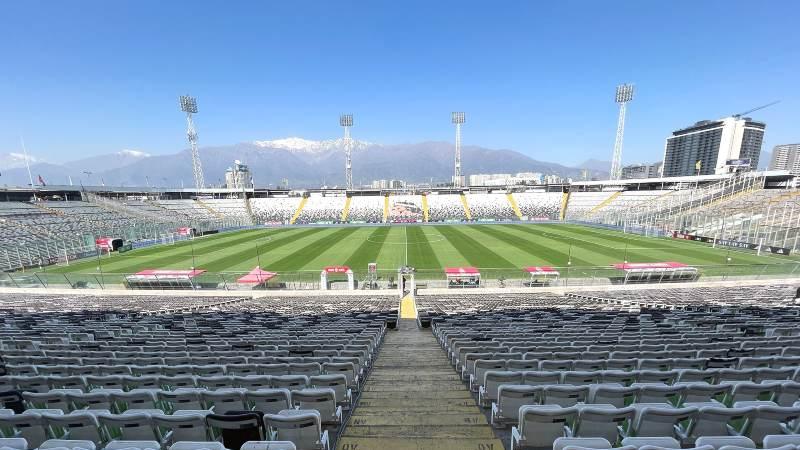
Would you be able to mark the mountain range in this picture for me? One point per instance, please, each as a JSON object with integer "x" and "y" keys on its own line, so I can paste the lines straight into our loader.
{"x": 304, "y": 163}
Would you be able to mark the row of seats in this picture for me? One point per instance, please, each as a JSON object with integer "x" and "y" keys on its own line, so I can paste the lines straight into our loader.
{"x": 303, "y": 428}
{"x": 542, "y": 425}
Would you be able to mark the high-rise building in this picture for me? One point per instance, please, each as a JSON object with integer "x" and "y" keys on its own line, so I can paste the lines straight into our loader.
{"x": 238, "y": 176}
{"x": 786, "y": 157}
{"x": 636, "y": 171}
{"x": 714, "y": 147}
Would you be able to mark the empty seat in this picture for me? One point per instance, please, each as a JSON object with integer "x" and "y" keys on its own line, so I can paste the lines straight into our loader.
{"x": 616, "y": 395}
{"x": 540, "y": 425}
{"x": 602, "y": 421}
{"x": 768, "y": 420}
{"x": 653, "y": 421}
{"x": 29, "y": 426}
{"x": 321, "y": 400}
{"x": 565, "y": 395}
{"x": 236, "y": 429}
{"x": 510, "y": 398}
{"x": 303, "y": 428}
{"x": 181, "y": 427}
{"x": 713, "y": 421}
{"x": 487, "y": 392}
{"x": 81, "y": 426}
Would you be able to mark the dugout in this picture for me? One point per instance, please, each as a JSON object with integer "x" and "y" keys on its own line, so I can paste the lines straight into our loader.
{"x": 659, "y": 272}
{"x": 462, "y": 277}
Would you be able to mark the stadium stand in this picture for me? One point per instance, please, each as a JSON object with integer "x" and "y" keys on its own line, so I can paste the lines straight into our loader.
{"x": 187, "y": 208}
{"x": 322, "y": 209}
{"x": 446, "y": 207}
{"x": 678, "y": 367}
{"x": 539, "y": 205}
{"x": 150, "y": 372}
{"x": 490, "y": 207}
{"x": 274, "y": 209}
{"x": 582, "y": 203}
{"x": 234, "y": 208}
{"x": 366, "y": 208}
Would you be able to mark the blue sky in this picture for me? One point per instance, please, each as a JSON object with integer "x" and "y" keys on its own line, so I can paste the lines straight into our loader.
{"x": 92, "y": 77}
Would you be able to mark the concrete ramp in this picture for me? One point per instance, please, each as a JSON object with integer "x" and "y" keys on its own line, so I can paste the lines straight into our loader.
{"x": 414, "y": 400}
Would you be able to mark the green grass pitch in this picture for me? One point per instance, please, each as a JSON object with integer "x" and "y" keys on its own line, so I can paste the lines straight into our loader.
{"x": 498, "y": 248}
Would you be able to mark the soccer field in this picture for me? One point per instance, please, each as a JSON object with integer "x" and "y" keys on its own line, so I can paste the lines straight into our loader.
{"x": 507, "y": 247}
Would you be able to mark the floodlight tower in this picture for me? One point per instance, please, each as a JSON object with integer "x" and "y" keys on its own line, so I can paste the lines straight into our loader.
{"x": 346, "y": 121}
{"x": 189, "y": 106}
{"x": 458, "y": 119}
{"x": 624, "y": 95}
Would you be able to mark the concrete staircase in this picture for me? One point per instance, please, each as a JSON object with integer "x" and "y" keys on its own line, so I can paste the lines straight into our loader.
{"x": 299, "y": 210}
{"x": 513, "y": 202}
{"x": 249, "y": 210}
{"x": 425, "y": 210}
{"x": 45, "y": 208}
{"x": 385, "y": 208}
{"x": 346, "y": 209}
{"x": 211, "y": 210}
{"x": 605, "y": 202}
{"x": 564, "y": 205}
{"x": 414, "y": 400}
{"x": 466, "y": 207}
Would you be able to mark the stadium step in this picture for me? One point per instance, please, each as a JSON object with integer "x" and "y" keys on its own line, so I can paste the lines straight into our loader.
{"x": 467, "y": 212}
{"x": 45, "y": 208}
{"x": 513, "y": 202}
{"x": 249, "y": 210}
{"x": 413, "y": 400}
{"x": 564, "y": 205}
{"x": 425, "y": 210}
{"x": 299, "y": 210}
{"x": 408, "y": 308}
{"x": 346, "y": 209}
{"x": 385, "y": 208}
{"x": 605, "y": 202}
{"x": 209, "y": 209}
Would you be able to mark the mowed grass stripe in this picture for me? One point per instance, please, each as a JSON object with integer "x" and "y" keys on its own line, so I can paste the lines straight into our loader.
{"x": 541, "y": 253}
{"x": 420, "y": 252}
{"x": 369, "y": 249}
{"x": 659, "y": 249}
{"x": 602, "y": 255}
{"x": 339, "y": 253}
{"x": 228, "y": 261}
{"x": 300, "y": 257}
{"x": 172, "y": 254}
{"x": 476, "y": 253}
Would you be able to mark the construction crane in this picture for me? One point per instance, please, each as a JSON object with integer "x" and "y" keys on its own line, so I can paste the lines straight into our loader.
{"x": 756, "y": 109}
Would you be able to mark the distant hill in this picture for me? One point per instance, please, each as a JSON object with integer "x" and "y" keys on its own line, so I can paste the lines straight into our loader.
{"x": 304, "y": 163}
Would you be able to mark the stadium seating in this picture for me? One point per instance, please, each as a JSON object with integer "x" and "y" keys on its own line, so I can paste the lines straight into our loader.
{"x": 490, "y": 207}
{"x": 366, "y": 208}
{"x": 446, "y": 207}
{"x": 149, "y": 372}
{"x": 539, "y": 205}
{"x": 687, "y": 375}
{"x": 322, "y": 209}
{"x": 274, "y": 209}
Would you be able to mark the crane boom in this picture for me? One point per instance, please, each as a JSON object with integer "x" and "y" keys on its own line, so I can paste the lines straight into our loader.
{"x": 756, "y": 109}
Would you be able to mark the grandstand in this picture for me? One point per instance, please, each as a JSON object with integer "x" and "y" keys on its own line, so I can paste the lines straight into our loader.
{"x": 681, "y": 367}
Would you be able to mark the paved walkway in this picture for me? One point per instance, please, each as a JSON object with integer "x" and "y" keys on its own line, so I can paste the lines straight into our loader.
{"x": 413, "y": 400}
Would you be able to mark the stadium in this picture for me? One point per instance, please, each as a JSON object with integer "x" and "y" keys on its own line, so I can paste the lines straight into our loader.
{"x": 278, "y": 288}
{"x": 636, "y": 313}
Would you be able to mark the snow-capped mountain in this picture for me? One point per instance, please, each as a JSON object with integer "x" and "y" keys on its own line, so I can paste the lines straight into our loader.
{"x": 15, "y": 160}
{"x": 305, "y": 163}
{"x": 297, "y": 144}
